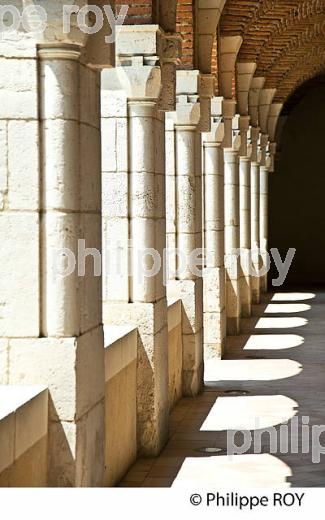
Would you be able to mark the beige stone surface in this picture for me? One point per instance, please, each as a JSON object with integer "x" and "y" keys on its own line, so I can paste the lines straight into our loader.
{"x": 175, "y": 353}
{"x": 120, "y": 402}
{"x": 23, "y": 436}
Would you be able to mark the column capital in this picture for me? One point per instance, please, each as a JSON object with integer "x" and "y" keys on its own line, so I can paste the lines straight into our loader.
{"x": 140, "y": 77}
{"x": 217, "y": 128}
{"x": 262, "y": 146}
{"x": 243, "y": 129}
{"x": 58, "y": 51}
{"x": 49, "y": 22}
{"x": 271, "y": 155}
{"x": 146, "y": 59}
{"x": 231, "y": 120}
{"x": 254, "y": 136}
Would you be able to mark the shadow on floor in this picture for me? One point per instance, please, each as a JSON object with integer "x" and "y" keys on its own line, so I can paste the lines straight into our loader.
{"x": 267, "y": 396}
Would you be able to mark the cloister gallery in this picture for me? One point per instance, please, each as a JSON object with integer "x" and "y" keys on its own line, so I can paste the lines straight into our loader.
{"x": 135, "y": 163}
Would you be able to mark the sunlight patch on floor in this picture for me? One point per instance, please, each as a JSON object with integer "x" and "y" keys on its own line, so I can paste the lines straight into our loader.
{"x": 281, "y": 323}
{"x": 294, "y": 296}
{"x": 286, "y": 308}
{"x": 251, "y": 370}
{"x": 240, "y": 471}
{"x": 249, "y": 412}
{"x": 273, "y": 341}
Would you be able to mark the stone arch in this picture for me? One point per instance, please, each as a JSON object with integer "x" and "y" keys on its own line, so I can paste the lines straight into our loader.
{"x": 208, "y": 16}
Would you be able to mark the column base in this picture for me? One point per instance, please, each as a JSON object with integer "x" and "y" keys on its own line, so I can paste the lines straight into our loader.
{"x": 152, "y": 373}
{"x": 256, "y": 290}
{"x": 264, "y": 284}
{"x": 214, "y": 300}
{"x": 233, "y": 307}
{"x": 245, "y": 296}
{"x": 73, "y": 370}
{"x": 190, "y": 292}
{"x": 233, "y": 326}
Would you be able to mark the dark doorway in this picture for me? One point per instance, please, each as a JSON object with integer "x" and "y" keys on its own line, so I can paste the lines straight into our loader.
{"x": 297, "y": 188}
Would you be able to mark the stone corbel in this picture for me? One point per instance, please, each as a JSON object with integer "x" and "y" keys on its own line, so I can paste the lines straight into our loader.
{"x": 243, "y": 128}
{"x": 244, "y": 77}
{"x": 268, "y": 158}
{"x": 266, "y": 98}
{"x": 188, "y": 111}
{"x": 272, "y": 152}
{"x": 262, "y": 146}
{"x": 249, "y": 151}
{"x": 229, "y": 48}
{"x": 236, "y": 137}
{"x": 217, "y": 127}
{"x": 254, "y": 100}
{"x": 229, "y": 111}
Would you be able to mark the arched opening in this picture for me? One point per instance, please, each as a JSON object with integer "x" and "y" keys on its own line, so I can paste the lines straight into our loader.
{"x": 298, "y": 184}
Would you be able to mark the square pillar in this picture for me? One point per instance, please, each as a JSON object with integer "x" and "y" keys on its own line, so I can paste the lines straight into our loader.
{"x": 188, "y": 284}
{"x": 135, "y": 213}
{"x": 255, "y": 216}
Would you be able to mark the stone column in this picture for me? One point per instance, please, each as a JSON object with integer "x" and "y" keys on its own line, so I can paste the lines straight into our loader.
{"x": 244, "y": 78}
{"x": 232, "y": 238}
{"x": 255, "y": 216}
{"x": 51, "y": 293}
{"x": 264, "y": 215}
{"x": 188, "y": 284}
{"x": 214, "y": 280}
{"x": 229, "y": 47}
{"x": 263, "y": 211}
{"x": 71, "y": 224}
{"x": 253, "y": 103}
{"x": 265, "y": 104}
{"x": 171, "y": 228}
{"x": 135, "y": 212}
{"x": 245, "y": 219}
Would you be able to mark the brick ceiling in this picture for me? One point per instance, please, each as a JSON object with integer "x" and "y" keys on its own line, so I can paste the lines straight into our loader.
{"x": 286, "y": 38}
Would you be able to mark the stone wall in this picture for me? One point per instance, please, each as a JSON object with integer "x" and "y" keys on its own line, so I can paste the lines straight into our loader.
{"x": 120, "y": 401}
{"x": 23, "y": 436}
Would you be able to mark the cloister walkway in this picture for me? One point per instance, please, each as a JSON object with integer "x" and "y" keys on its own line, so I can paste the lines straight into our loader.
{"x": 273, "y": 372}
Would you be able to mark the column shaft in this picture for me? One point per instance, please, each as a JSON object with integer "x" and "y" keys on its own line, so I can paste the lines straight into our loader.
{"x": 264, "y": 194}
{"x": 214, "y": 281}
{"x": 188, "y": 285}
{"x": 255, "y": 228}
{"x": 245, "y": 234}
{"x": 232, "y": 241}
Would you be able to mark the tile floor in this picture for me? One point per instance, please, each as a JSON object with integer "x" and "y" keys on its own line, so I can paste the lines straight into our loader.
{"x": 279, "y": 360}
